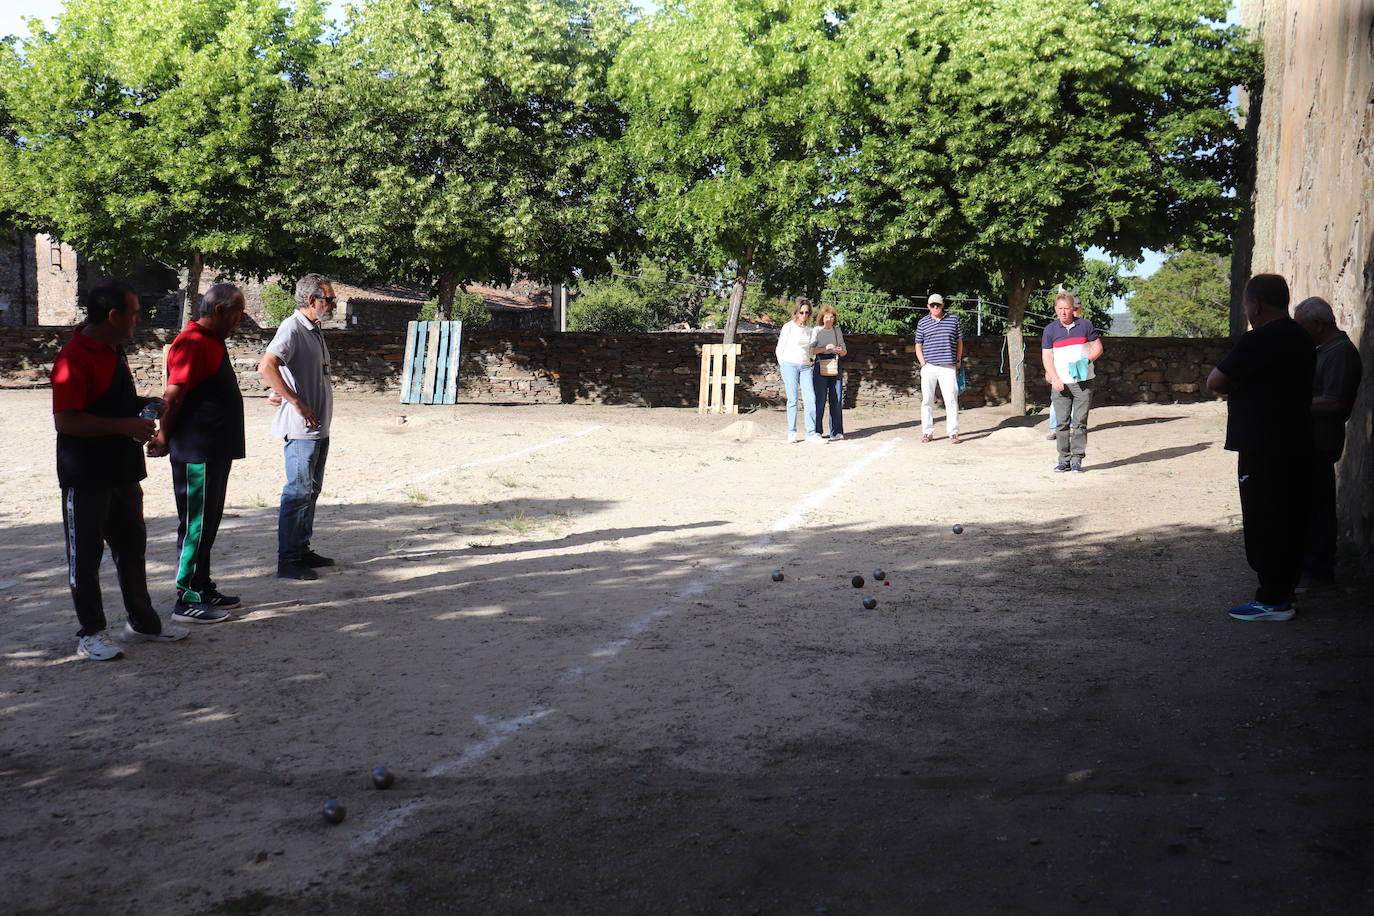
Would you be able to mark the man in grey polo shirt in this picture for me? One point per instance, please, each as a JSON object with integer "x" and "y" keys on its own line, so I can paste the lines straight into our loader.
{"x": 296, "y": 366}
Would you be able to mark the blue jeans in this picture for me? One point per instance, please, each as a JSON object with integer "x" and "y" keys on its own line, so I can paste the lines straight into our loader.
{"x": 829, "y": 393}
{"x": 304, "y": 480}
{"x": 796, "y": 377}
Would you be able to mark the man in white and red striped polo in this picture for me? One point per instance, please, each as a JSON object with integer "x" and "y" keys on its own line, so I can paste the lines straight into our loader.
{"x": 1069, "y": 347}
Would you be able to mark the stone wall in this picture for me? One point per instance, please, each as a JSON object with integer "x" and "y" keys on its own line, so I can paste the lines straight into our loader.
{"x": 18, "y": 277}
{"x": 659, "y": 370}
{"x": 1314, "y": 193}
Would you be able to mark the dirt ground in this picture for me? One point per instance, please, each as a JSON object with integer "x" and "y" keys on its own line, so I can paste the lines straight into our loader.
{"x": 558, "y": 626}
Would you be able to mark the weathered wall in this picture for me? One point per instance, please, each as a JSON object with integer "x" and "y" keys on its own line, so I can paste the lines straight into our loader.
{"x": 1314, "y": 192}
{"x": 660, "y": 370}
{"x": 18, "y": 277}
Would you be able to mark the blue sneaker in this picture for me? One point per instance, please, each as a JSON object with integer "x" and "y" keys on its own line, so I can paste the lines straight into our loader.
{"x": 1257, "y": 610}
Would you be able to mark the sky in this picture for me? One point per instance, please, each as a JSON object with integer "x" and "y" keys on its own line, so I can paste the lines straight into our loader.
{"x": 14, "y": 12}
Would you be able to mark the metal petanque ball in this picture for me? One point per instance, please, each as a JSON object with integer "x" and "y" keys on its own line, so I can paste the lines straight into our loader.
{"x": 857, "y": 581}
{"x": 958, "y": 529}
{"x": 870, "y": 602}
{"x": 382, "y": 777}
{"x": 777, "y": 575}
{"x": 879, "y": 574}
{"x": 334, "y": 811}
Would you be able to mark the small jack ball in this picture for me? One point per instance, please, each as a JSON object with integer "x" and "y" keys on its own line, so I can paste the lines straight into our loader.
{"x": 382, "y": 777}
{"x": 879, "y": 574}
{"x": 777, "y": 575}
{"x": 958, "y": 529}
{"x": 857, "y": 581}
{"x": 870, "y": 602}
{"x": 334, "y": 811}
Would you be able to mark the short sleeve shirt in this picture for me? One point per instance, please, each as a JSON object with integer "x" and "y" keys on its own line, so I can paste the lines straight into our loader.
{"x": 1337, "y": 375}
{"x": 210, "y": 426}
{"x": 939, "y": 339}
{"x": 1269, "y": 406}
{"x": 1069, "y": 347}
{"x": 93, "y": 378}
{"x": 300, "y": 345}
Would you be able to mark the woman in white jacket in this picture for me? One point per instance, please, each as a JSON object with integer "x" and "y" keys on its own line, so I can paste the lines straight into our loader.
{"x": 795, "y": 344}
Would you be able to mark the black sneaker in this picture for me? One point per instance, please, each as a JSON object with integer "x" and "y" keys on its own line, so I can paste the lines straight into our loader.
{"x": 198, "y": 612}
{"x": 1076, "y": 468}
{"x": 314, "y": 560}
{"x": 1062, "y": 466}
{"x": 296, "y": 571}
{"x": 212, "y": 596}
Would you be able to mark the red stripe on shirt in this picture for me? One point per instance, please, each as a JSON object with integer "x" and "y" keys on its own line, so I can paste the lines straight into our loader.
{"x": 1070, "y": 341}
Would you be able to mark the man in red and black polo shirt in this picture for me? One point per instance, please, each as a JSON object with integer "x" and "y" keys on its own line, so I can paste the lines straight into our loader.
{"x": 99, "y": 466}
{"x": 202, "y": 431}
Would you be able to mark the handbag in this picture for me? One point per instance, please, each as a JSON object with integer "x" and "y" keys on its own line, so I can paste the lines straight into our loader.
{"x": 829, "y": 366}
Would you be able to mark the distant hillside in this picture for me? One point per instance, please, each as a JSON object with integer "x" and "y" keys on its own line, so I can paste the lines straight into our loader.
{"x": 1123, "y": 324}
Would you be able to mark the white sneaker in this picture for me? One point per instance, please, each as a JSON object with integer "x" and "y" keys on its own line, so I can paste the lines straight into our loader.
{"x": 815, "y": 440}
{"x": 98, "y": 647}
{"x": 836, "y": 437}
{"x": 171, "y": 632}
{"x": 792, "y": 436}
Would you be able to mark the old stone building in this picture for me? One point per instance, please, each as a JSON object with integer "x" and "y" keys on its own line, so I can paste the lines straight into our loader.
{"x": 1314, "y": 192}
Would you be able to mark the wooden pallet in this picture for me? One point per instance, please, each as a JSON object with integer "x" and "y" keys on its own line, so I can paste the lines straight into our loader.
{"x": 429, "y": 374}
{"x": 718, "y": 379}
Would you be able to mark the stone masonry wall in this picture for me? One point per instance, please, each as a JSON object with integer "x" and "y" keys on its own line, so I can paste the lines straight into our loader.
{"x": 658, "y": 370}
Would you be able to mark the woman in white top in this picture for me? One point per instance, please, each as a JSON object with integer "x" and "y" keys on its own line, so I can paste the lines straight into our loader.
{"x": 795, "y": 344}
{"x": 828, "y": 346}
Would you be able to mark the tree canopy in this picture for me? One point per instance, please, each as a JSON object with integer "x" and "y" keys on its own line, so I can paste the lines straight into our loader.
{"x": 461, "y": 140}
{"x": 728, "y": 105}
{"x": 146, "y": 130}
{"x": 1189, "y": 296}
{"x": 1007, "y": 136}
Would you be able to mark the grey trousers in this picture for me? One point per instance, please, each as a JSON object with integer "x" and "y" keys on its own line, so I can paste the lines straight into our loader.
{"x": 1071, "y": 419}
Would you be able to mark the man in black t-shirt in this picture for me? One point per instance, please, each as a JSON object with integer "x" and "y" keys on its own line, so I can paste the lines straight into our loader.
{"x": 1267, "y": 378}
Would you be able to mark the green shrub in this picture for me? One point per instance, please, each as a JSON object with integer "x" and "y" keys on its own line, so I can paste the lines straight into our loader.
{"x": 469, "y": 308}
{"x": 278, "y": 303}
{"x": 611, "y": 307}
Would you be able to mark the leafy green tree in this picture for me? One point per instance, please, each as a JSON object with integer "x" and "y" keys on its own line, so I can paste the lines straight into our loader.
{"x": 145, "y": 130}
{"x": 1096, "y": 283}
{"x": 728, "y": 105}
{"x": 461, "y": 140}
{"x": 863, "y": 308}
{"x": 1003, "y": 137}
{"x": 1189, "y": 296}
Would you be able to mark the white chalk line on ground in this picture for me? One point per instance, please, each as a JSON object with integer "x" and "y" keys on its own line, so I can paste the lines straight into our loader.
{"x": 430, "y": 475}
{"x": 499, "y": 731}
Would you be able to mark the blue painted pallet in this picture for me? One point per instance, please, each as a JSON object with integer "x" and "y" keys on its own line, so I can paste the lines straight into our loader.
{"x": 429, "y": 373}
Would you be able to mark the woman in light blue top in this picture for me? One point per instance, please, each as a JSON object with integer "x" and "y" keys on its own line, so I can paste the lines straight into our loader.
{"x": 795, "y": 344}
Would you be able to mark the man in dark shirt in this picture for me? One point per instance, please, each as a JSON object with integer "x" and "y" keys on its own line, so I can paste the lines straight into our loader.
{"x": 1267, "y": 378}
{"x": 1334, "y": 386}
{"x": 202, "y": 430}
{"x": 99, "y": 466}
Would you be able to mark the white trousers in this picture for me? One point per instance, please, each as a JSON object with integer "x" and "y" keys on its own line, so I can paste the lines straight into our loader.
{"x": 947, "y": 377}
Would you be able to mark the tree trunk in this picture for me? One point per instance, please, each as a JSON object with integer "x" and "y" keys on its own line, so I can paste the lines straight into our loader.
{"x": 194, "y": 268}
{"x": 737, "y": 296}
{"x": 448, "y": 285}
{"x": 1019, "y": 288}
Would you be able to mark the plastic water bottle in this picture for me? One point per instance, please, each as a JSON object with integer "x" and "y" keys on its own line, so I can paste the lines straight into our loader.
{"x": 151, "y": 410}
